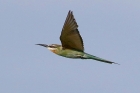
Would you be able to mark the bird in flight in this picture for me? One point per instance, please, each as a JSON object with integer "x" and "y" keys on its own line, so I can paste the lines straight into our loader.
{"x": 72, "y": 43}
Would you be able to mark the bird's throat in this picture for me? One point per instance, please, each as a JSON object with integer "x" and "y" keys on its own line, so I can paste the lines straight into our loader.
{"x": 54, "y": 50}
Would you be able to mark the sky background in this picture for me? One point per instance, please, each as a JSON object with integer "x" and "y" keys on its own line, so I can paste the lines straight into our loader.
{"x": 110, "y": 29}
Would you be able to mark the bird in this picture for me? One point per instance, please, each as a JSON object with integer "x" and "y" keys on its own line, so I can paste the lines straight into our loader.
{"x": 72, "y": 42}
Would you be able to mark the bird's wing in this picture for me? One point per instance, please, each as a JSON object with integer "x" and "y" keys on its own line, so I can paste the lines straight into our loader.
{"x": 70, "y": 36}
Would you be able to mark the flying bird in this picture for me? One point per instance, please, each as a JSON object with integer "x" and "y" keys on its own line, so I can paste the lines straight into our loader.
{"x": 72, "y": 43}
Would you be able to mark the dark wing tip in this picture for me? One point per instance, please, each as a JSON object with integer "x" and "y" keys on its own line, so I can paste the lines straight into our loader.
{"x": 70, "y": 11}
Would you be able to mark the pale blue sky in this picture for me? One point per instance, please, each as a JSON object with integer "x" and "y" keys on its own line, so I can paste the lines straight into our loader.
{"x": 110, "y": 29}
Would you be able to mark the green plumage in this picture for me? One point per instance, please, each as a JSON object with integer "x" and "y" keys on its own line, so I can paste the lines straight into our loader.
{"x": 78, "y": 54}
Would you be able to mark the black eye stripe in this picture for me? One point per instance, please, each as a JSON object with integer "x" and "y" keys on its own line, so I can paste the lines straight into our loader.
{"x": 52, "y": 46}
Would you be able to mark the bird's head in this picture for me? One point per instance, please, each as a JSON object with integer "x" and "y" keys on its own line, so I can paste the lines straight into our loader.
{"x": 53, "y": 47}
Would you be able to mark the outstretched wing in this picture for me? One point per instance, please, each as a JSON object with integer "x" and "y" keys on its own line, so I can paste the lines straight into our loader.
{"x": 70, "y": 36}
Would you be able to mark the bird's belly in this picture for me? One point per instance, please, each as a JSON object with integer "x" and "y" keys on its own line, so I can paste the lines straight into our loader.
{"x": 71, "y": 54}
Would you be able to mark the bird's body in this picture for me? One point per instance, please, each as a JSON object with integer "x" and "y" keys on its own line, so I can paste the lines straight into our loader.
{"x": 69, "y": 53}
{"x": 72, "y": 43}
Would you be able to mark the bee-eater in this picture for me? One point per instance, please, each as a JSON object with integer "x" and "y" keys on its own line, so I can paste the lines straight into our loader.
{"x": 72, "y": 43}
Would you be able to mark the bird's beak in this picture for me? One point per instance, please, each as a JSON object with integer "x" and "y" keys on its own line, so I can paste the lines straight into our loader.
{"x": 42, "y": 45}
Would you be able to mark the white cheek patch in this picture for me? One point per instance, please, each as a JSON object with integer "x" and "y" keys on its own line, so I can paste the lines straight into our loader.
{"x": 51, "y": 48}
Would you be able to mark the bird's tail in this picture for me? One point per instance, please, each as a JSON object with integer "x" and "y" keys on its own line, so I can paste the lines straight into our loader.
{"x": 88, "y": 56}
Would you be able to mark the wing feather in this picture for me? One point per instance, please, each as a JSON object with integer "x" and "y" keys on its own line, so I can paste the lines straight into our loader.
{"x": 70, "y": 36}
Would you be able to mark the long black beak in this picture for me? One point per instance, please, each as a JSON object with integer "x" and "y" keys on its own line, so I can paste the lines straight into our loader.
{"x": 42, "y": 45}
